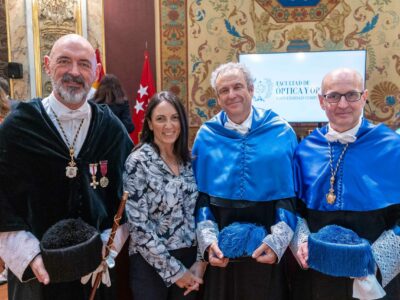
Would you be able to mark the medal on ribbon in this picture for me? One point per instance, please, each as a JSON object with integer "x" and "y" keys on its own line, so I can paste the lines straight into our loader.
{"x": 103, "y": 169}
{"x": 71, "y": 170}
{"x": 93, "y": 171}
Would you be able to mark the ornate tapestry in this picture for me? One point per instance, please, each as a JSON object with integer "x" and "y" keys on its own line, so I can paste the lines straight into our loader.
{"x": 199, "y": 35}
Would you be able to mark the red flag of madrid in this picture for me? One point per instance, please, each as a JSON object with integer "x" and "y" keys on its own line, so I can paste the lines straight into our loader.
{"x": 96, "y": 84}
{"x": 146, "y": 90}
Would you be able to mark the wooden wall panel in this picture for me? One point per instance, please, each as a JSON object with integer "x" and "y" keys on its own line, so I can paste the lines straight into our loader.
{"x": 128, "y": 26}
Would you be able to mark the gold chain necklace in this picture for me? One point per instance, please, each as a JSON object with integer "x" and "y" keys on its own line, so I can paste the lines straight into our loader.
{"x": 71, "y": 170}
{"x": 331, "y": 197}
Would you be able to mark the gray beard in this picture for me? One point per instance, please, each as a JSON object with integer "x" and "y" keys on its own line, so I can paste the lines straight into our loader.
{"x": 70, "y": 95}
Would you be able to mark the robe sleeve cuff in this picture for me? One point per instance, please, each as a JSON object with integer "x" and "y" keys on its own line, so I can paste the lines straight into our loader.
{"x": 207, "y": 233}
{"x": 279, "y": 239}
{"x": 300, "y": 236}
{"x": 386, "y": 250}
{"x": 286, "y": 216}
{"x": 18, "y": 249}
{"x": 204, "y": 214}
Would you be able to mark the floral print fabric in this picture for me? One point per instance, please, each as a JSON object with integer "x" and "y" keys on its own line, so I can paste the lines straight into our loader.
{"x": 160, "y": 210}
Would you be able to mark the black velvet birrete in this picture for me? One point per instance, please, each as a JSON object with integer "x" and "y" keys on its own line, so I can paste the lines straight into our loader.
{"x": 71, "y": 249}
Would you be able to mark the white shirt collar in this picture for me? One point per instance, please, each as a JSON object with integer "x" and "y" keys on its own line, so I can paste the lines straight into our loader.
{"x": 345, "y": 137}
{"x": 242, "y": 128}
{"x": 69, "y": 119}
{"x": 63, "y": 112}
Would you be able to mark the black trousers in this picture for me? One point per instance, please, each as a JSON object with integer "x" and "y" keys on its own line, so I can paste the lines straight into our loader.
{"x": 145, "y": 282}
{"x": 74, "y": 290}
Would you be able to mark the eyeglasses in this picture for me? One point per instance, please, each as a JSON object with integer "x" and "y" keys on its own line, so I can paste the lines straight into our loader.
{"x": 349, "y": 96}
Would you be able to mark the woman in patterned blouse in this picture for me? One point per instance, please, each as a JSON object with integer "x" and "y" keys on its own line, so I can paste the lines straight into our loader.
{"x": 160, "y": 209}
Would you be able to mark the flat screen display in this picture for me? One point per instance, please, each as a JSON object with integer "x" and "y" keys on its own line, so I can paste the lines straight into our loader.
{"x": 288, "y": 83}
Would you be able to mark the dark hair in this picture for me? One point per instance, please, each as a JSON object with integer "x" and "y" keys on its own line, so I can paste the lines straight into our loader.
{"x": 110, "y": 91}
{"x": 4, "y": 85}
{"x": 181, "y": 145}
{"x": 4, "y": 104}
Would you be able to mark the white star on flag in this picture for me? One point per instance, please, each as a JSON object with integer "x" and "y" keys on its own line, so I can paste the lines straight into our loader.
{"x": 142, "y": 91}
{"x": 145, "y": 91}
{"x": 139, "y": 106}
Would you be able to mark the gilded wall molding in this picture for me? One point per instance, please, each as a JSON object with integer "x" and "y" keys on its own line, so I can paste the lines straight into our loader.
{"x": 51, "y": 20}
{"x": 95, "y": 27}
{"x": 9, "y": 44}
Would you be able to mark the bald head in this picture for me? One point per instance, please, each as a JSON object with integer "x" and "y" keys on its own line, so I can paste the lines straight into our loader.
{"x": 347, "y": 85}
{"x": 72, "y": 68}
{"x": 72, "y": 39}
{"x": 342, "y": 75}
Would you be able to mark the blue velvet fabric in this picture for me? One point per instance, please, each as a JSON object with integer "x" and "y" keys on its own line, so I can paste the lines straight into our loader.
{"x": 204, "y": 214}
{"x": 240, "y": 239}
{"x": 338, "y": 251}
{"x": 256, "y": 166}
{"x": 298, "y": 3}
{"x": 396, "y": 230}
{"x": 368, "y": 177}
{"x": 286, "y": 216}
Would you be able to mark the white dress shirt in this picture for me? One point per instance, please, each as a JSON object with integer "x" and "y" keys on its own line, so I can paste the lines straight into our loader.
{"x": 345, "y": 137}
{"x": 70, "y": 120}
{"x": 242, "y": 128}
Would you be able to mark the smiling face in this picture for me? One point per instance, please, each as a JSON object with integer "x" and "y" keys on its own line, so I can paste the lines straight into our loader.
{"x": 165, "y": 124}
{"x": 343, "y": 115}
{"x": 72, "y": 68}
{"x": 234, "y": 96}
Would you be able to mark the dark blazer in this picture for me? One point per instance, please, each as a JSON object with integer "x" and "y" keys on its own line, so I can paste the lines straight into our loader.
{"x": 122, "y": 111}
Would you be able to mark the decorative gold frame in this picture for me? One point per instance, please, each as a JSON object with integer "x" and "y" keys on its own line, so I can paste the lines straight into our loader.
{"x": 36, "y": 47}
{"x": 9, "y": 44}
{"x": 36, "y": 40}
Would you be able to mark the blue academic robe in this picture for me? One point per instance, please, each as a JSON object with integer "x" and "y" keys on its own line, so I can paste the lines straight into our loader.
{"x": 367, "y": 197}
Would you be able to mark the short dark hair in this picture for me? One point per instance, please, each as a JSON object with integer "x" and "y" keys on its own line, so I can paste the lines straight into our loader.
{"x": 181, "y": 145}
{"x": 110, "y": 91}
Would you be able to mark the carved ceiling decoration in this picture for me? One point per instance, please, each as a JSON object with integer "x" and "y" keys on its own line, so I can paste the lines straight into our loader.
{"x": 288, "y": 11}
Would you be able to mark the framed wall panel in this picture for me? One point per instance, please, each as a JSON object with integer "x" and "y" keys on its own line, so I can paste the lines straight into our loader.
{"x": 51, "y": 19}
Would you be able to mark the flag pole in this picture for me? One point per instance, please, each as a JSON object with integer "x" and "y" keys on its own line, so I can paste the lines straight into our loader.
{"x": 145, "y": 92}
{"x": 117, "y": 219}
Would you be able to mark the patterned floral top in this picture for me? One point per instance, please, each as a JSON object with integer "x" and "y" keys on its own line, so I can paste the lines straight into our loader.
{"x": 160, "y": 210}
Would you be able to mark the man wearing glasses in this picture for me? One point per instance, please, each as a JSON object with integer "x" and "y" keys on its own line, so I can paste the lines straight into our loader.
{"x": 347, "y": 175}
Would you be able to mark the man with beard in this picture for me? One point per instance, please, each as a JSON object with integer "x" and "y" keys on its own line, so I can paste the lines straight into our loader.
{"x": 60, "y": 158}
